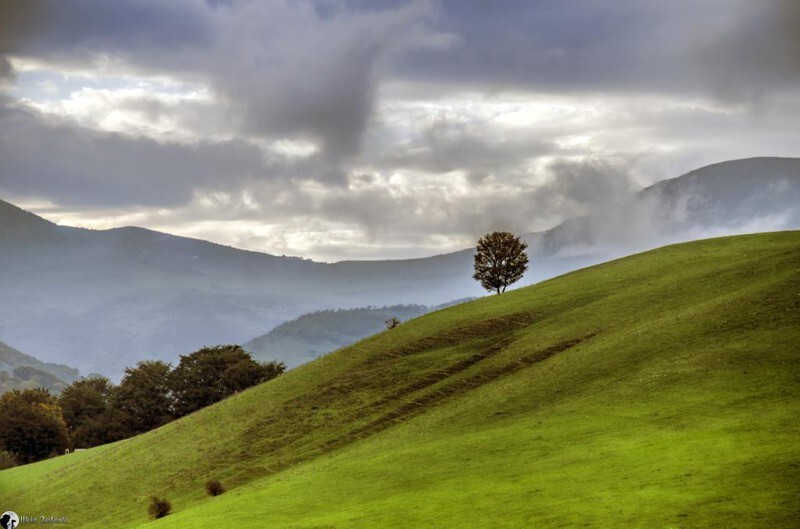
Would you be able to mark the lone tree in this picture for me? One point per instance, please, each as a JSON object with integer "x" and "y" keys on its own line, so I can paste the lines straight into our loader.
{"x": 500, "y": 260}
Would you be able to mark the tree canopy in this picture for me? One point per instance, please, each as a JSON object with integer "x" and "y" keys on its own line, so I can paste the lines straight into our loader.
{"x": 500, "y": 260}
{"x": 86, "y": 405}
{"x": 213, "y": 373}
{"x": 33, "y": 427}
{"x": 143, "y": 397}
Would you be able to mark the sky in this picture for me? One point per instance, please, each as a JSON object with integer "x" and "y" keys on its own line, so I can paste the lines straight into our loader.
{"x": 379, "y": 129}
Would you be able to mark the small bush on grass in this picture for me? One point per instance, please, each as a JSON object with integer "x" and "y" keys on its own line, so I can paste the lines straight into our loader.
{"x": 7, "y": 460}
{"x": 392, "y": 322}
{"x": 159, "y": 507}
{"x": 214, "y": 488}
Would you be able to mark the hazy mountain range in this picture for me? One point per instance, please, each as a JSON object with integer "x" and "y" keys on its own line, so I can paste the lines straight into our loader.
{"x": 311, "y": 335}
{"x": 20, "y": 371}
{"x": 11, "y": 359}
{"x": 103, "y": 300}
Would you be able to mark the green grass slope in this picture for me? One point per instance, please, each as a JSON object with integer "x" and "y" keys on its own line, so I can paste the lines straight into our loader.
{"x": 657, "y": 391}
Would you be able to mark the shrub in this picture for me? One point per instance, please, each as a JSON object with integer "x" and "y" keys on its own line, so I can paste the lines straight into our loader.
{"x": 392, "y": 322}
{"x": 7, "y": 460}
{"x": 159, "y": 507}
{"x": 214, "y": 488}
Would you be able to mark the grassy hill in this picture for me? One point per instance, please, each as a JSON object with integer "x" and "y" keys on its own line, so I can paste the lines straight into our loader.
{"x": 657, "y": 391}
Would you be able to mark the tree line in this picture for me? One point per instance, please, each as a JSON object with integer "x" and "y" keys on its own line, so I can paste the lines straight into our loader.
{"x": 35, "y": 424}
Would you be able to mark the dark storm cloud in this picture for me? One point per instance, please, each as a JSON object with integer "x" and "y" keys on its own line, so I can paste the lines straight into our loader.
{"x": 287, "y": 69}
{"x": 153, "y": 35}
{"x": 681, "y": 46}
{"x": 326, "y": 51}
{"x": 315, "y": 77}
{"x": 327, "y": 9}
{"x": 758, "y": 52}
{"x": 521, "y": 43}
{"x": 18, "y": 22}
{"x": 76, "y": 166}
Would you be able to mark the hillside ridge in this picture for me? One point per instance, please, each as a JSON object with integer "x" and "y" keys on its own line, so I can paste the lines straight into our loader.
{"x": 678, "y": 366}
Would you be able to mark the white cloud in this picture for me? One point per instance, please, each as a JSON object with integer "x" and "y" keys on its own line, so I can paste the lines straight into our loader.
{"x": 140, "y": 109}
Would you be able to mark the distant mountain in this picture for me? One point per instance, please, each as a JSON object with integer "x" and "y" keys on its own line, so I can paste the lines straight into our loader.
{"x": 20, "y": 371}
{"x": 11, "y": 359}
{"x": 311, "y": 335}
{"x": 741, "y": 196}
{"x": 17, "y": 226}
{"x": 103, "y": 300}
{"x": 30, "y": 378}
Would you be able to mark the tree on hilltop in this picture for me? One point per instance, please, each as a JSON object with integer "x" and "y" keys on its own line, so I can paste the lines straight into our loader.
{"x": 500, "y": 260}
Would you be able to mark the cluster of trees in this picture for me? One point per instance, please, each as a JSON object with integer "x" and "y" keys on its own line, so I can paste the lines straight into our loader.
{"x": 32, "y": 426}
{"x": 35, "y": 424}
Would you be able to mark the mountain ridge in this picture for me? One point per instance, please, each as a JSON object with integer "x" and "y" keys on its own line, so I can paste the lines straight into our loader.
{"x": 107, "y": 299}
{"x": 312, "y": 335}
{"x": 10, "y": 359}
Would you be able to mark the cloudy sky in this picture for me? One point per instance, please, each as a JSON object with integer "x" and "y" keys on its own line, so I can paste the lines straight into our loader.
{"x": 364, "y": 129}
